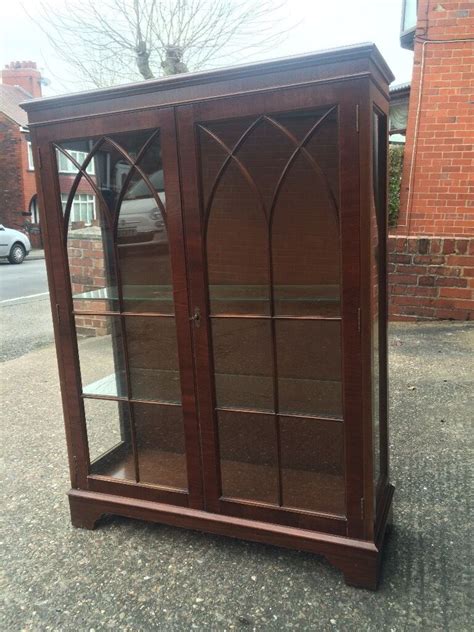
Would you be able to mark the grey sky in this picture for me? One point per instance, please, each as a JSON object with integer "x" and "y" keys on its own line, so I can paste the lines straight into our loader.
{"x": 323, "y": 24}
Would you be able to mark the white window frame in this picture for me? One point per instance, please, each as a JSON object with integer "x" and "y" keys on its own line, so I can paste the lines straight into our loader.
{"x": 83, "y": 208}
{"x": 31, "y": 164}
{"x": 66, "y": 166}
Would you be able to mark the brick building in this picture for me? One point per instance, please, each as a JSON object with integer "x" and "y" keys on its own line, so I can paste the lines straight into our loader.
{"x": 20, "y": 81}
{"x": 432, "y": 246}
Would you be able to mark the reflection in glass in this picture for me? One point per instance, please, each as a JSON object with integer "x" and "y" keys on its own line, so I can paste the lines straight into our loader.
{"x": 109, "y": 438}
{"x": 142, "y": 237}
{"x": 160, "y": 445}
{"x": 89, "y": 235}
{"x": 117, "y": 201}
{"x": 312, "y": 455}
{"x": 249, "y": 459}
{"x": 101, "y": 355}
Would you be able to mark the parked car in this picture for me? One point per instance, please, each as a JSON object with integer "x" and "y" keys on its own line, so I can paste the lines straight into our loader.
{"x": 140, "y": 218}
{"x": 14, "y": 245}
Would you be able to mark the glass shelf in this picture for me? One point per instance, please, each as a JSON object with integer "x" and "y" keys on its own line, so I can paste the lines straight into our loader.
{"x": 297, "y": 396}
{"x": 326, "y": 297}
{"x": 130, "y": 293}
{"x": 146, "y": 384}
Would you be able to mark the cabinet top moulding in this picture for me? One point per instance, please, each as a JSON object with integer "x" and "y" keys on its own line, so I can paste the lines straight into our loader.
{"x": 338, "y": 64}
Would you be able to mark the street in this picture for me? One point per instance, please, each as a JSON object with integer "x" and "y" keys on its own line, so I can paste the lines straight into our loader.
{"x": 25, "y": 315}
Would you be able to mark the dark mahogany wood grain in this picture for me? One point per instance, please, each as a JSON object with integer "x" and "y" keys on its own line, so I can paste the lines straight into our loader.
{"x": 359, "y": 560}
{"x": 351, "y": 82}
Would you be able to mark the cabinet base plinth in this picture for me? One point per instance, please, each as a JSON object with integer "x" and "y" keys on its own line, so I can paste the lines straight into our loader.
{"x": 84, "y": 514}
{"x": 359, "y": 560}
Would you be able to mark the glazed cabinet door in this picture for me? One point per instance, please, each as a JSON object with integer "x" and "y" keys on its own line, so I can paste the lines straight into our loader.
{"x": 117, "y": 259}
{"x": 270, "y": 192}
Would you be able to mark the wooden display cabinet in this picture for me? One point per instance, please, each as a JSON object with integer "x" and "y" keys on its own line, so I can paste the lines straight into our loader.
{"x": 216, "y": 255}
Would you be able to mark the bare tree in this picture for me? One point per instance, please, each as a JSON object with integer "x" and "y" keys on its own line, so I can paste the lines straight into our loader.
{"x": 113, "y": 41}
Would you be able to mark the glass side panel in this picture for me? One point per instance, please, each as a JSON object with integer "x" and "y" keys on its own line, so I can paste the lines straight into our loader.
{"x": 153, "y": 358}
{"x": 309, "y": 367}
{"x": 248, "y": 456}
{"x": 109, "y": 437}
{"x": 378, "y": 289}
{"x": 160, "y": 445}
{"x": 312, "y": 456}
{"x": 243, "y": 363}
{"x": 101, "y": 355}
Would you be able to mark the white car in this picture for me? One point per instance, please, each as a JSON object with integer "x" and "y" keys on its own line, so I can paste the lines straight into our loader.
{"x": 140, "y": 218}
{"x": 14, "y": 245}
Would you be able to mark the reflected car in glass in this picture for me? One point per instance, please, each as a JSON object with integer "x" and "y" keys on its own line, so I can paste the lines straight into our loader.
{"x": 141, "y": 219}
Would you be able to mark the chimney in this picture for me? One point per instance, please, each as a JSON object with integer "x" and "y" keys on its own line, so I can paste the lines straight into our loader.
{"x": 23, "y": 74}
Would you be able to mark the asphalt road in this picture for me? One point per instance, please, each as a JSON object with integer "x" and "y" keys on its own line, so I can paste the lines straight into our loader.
{"x": 133, "y": 576}
{"x": 25, "y": 315}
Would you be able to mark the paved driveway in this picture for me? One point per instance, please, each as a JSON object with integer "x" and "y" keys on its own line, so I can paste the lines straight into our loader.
{"x": 25, "y": 312}
{"x": 128, "y": 575}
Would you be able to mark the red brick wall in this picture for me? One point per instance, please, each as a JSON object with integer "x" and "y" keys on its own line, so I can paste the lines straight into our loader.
{"x": 437, "y": 192}
{"x": 441, "y": 201}
{"x": 431, "y": 278}
{"x": 17, "y": 182}
{"x": 29, "y": 189}
{"x": 87, "y": 272}
{"x": 11, "y": 176}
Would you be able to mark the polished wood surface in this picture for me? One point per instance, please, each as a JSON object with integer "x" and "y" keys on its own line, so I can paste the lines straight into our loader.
{"x": 232, "y": 386}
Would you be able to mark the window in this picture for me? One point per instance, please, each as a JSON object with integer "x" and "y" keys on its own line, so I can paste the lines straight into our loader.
{"x": 34, "y": 210}
{"x": 83, "y": 207}
{"x": 410, "y": 8}
{"x": 31, "y": 164}
{"x": 66, "y": 166}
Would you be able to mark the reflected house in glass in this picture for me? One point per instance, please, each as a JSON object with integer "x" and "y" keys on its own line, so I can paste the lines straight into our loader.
{"x": 220, "y": 305}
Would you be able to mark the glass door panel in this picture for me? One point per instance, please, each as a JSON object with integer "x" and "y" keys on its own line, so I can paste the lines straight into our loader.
{"x": 243, "y": 363}
{"x": 109, "y": 434}
{"x": 249, "y": 456}
{"x": 270, "y": 187}
{"x": 101, "y": 355}
{"x": 309, "y": 367}
{"x": 237, "y": 252}
{"x": 160, "y": 445}
{"x": 153, "y": 359}
{"x": 117, "y": 234}
{"x": 312, "y": 456}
